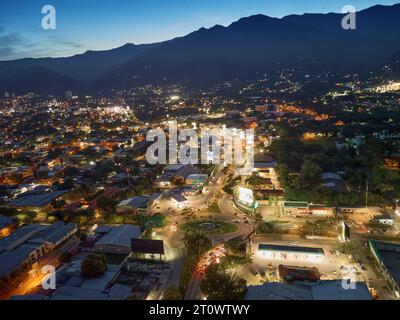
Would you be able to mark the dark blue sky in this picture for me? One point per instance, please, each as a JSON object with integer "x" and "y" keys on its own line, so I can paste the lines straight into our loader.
{"x": 105, "y": 24}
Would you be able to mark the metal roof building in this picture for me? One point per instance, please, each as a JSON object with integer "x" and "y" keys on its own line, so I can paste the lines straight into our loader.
{"x": 118, "y": 239}
{"x": 321, "y": 290}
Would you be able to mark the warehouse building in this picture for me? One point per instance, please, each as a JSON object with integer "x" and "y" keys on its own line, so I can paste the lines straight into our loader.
{"x": 387, "y": 256}
{"x": 29, "y": 243}
{"x": 271, "y": 251}
{"x": 116, "y": 240}
{"x": 321, "y": 290}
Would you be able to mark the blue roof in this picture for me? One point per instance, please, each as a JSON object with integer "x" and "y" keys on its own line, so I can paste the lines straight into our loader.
{"x": 5, "y": 221}
{"x": 36, "y": 200}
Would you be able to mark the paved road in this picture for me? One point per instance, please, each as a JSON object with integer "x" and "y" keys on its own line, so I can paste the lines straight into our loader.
{"x": 228, "y": 213}
{"x": 29, "y": 281}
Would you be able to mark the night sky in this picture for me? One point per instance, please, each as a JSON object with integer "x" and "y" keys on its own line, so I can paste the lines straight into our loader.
{"x": 103, "y": 24}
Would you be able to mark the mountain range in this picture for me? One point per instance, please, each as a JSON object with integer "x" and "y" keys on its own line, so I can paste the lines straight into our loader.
{"x": 246, "y": 49}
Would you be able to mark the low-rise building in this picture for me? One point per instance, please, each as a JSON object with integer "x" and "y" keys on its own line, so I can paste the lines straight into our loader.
{"x": 139, "y": 204}
{"x": 117, "y": 240}
{"x": 321, "y": 290}
{"x": 296, "y": 207}
{"x": 271, "y": 251}
{"x": 29, "y": 243}
{"x": 36, "y": 201}
{"x": 387, "y": 257}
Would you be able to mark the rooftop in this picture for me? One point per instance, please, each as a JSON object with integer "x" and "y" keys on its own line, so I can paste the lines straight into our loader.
{"x": 138, "y": 202}
{"x": 272, "y": 247}
{"x": 389, "y": 255}
{"x": 120, "y": 236}
{"x": 321, "y": 290}
{"x": 36, "y": 200}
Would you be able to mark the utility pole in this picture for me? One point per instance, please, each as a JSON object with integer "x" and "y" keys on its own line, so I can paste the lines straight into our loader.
{"x": 366, "y": 194}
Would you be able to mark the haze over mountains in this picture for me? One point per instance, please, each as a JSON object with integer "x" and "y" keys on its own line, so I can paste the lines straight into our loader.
{"x": 246, "y": 49}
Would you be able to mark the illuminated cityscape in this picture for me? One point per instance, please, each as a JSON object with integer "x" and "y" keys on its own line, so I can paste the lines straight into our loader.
{"x": 310, "y": 212}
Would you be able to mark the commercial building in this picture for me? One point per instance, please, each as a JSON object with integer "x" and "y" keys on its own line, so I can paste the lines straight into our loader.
{"x": 29, "y": 243}
{"x": 387, "y": 256}
{"x": 36, "y": 202}
{"x": 196, "y": 179}
{"x": 304, "y": 208}
{"x": 271, "y": 251}
{"x": 116, "y": 240}
{"x": 321, "y": 290}
{"x": 139, "y": 204}
{"x": 296, "y": 207}
{"x": 72, "y": 286}
{"x": 265, "y": 166}
{"x": 293, "y": 273}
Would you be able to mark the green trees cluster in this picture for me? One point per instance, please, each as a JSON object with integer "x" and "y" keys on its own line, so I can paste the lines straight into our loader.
{"x": 94, "y": 265}
{"x": 197, "y": 243}
{"x": 256, "y": 180}
{"x": 172, "y": 293}
{"x": 300, "y": 164}
{"x": 219, "y": 284}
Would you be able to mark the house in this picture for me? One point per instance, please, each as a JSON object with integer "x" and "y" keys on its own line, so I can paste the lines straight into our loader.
{"x": 295, "y": 207}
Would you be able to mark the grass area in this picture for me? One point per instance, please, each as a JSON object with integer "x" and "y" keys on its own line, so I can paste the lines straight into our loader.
{"x": 210, "y": 227}
{"x": 320, "y": 228}
{"x": 213, "y": 208}
{"x": 272, "y": 227}
{"x": 231, "y": 261}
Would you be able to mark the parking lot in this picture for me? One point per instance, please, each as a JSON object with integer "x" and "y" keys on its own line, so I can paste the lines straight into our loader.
{"x": 332, "y": 266}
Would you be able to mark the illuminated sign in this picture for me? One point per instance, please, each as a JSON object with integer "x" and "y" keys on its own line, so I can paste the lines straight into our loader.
{"x": 246, "y": 196}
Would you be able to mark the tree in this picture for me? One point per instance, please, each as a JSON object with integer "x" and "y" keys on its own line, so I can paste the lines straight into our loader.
{"x": 65, "y": 257}
{"x": 196, "y": 242}
{"x": 58, "y": 204}
{"x": 8, "y": 211}
{"x": 310, "y": 173}
{"x": 256, "y": 180}
{"x": 219, "y": 284}
{"x": 71, "y": 172}
{"x": 172, "y": 293}
{"x": 236, "y": 246}
{"x": 106, "y": 203}
{"x": 68, "y": 184}
{"x": 94, "y": 265}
